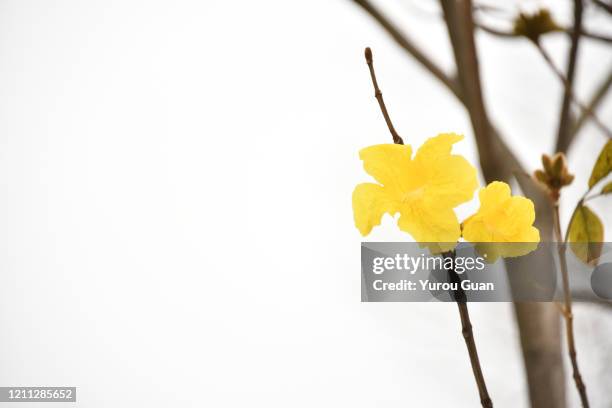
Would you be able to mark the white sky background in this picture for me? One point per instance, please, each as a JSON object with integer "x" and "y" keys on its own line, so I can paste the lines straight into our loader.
{"x": 175, "y": 223}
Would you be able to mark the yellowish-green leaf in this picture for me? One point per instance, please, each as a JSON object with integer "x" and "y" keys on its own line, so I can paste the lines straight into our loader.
{"x": 586, "y": 234}
{"x": 607, "y": 189}
{"x": 603, "y": 165}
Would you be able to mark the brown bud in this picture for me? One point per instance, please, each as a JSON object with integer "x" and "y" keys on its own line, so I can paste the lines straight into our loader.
{"x": 554, "y": 174}
{"x": 534, "y": 25}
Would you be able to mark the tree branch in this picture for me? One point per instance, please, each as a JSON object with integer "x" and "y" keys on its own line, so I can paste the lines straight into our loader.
{"x": 379, "y": 97}
{"x": 563, "y": 132}
{"x": 407, "y": 44}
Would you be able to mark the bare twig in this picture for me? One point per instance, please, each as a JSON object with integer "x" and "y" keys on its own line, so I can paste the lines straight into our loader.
{"x": 585, "y": 109}
{"x": 468, "y": 336}
{"x": 591, "y": 106}
{"x": 567, "y": 311}
{"x": 563, "y": 133}
{"x": 379, "y": 97}
{"x": 407, "y": 44}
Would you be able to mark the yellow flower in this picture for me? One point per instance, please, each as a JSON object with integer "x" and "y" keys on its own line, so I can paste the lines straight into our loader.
{"x": 502, "y": 219}
{"x": 423, "y": 189}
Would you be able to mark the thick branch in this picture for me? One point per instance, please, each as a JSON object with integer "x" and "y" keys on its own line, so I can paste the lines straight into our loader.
{"x": 565, "y": 119}
{"x": 379, "y": 97}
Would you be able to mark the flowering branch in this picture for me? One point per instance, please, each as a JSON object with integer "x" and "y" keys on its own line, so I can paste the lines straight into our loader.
{"x": 459, "y": 294}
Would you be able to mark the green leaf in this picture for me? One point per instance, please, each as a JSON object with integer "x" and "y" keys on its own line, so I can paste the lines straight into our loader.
{"x": 586, "y": 234}
{"x": 607, "y": 189}
{"x": 603, "y": 165}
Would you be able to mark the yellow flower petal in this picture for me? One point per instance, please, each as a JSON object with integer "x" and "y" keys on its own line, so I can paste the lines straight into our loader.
{"x": 494, "y": 196}
{"x": 388, "y": 163}
{"x": 503, "y": 220}
{"x": 424, "y": 190}
{"x": 370, "y": 203}
{"x": 440, "y": 145}
{"x": 450, "y": 178}
{"x": 429, "y": 224}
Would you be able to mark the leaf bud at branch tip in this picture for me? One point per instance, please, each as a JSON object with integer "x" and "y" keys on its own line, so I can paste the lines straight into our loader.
{"x": 368, "y": 55}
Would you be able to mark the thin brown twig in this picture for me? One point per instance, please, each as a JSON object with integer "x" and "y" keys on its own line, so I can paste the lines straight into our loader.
{"x": 468, "y": 335}
{"x": 567, "y": 309}
{"x": 379, "y": 97}
{"x": 585, "y": 109}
